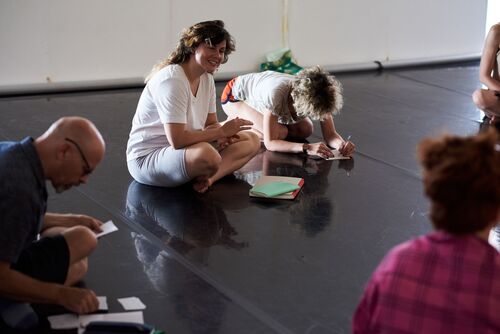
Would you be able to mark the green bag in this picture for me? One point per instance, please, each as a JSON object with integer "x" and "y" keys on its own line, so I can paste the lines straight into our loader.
{"x": 280, "y": 61}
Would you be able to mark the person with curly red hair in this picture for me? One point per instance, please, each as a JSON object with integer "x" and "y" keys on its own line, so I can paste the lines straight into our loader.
{"x": 447, "y": 281}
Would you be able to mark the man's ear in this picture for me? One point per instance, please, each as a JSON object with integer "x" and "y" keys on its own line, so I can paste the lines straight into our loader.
{"x": 62, "y": 151}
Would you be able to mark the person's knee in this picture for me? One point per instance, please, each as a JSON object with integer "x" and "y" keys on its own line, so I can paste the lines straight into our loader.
{"x": 478, "y": 99}
{"x": 81, "y": 241}
{"x": 282, "y": 132}
{"x": 88, "y": 238}
{"x": 253, "y": 141}
{"x": 304, "y": 129}
{"x": 208, "y": 158}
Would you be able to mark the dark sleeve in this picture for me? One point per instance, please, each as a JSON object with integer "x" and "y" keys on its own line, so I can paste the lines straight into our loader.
{"x": 18, "y": 223}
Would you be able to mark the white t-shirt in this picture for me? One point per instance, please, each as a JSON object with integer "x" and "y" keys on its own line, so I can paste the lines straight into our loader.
{"x": 167, "y": 98}
{"x": 266, "y": 90}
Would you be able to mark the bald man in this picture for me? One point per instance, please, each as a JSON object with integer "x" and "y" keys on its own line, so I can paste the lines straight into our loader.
{"x": 45, "y": 270}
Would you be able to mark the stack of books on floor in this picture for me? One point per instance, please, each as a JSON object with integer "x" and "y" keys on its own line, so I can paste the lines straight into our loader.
{"x": 277, "y": 187}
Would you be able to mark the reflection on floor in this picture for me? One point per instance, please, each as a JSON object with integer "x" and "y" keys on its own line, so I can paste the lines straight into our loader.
{"x": 223, "y": 262}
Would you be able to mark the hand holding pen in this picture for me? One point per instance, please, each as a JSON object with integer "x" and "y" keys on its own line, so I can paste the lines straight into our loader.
{"x": 347, "y": 148}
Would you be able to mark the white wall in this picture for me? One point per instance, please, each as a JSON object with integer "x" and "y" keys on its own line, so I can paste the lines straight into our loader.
{"x": 493, "y": 15}
{"x": 63, "y": 43}
{"x": 387, "y": 30}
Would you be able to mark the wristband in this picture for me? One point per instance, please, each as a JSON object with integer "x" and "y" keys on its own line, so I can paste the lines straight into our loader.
{"x": 305, "y": 147}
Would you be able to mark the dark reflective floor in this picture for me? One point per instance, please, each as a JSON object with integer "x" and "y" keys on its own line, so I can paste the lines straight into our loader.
{"x": 223, "y": 262}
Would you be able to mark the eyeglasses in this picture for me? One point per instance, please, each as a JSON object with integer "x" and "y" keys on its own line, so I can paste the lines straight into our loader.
{"x": 86, "y": 169}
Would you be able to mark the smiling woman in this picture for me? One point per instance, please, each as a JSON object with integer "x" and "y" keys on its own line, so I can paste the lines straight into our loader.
{"x": 175, "y": 135}
{"x": 210, "y": 33}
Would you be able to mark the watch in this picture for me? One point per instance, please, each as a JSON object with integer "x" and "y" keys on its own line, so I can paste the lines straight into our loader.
{"x": 305, "y": 147}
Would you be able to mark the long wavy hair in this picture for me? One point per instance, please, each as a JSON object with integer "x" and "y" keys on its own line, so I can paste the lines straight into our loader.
{"x": 212, "y": 32}
{"x": 462, "y": 178}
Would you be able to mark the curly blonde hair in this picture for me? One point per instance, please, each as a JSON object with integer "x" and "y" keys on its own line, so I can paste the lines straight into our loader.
{"x": 462, "y": 178}
{"x": 191, "y": 38}
{"x": 316, "y": 93}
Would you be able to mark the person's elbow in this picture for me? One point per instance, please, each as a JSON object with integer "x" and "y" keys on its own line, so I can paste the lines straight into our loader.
{"x": 176, "y": 142}
{"x": 268, "y": 144}
{"x": 484, "y": 78}
{"x": 176, "y": 145}
{"x": 271, "y": 145}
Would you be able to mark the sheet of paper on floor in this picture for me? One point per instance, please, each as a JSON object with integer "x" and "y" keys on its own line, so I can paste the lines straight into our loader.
{"x": 132, "y": 303}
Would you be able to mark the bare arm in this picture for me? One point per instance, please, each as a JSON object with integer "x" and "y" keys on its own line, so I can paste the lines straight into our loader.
{"x": 488, "y": 59}
{"x": 17, "y": 286}
{"x": 69, "y": 220}
{"x": 272, "y": 142}
{"x": 330, "y": 134}
{"x": 333, "y": 138}
{"x": 212, "y": 121}
{"x": 179, "y": 137}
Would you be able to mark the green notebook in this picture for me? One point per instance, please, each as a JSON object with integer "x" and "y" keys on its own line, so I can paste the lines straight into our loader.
{"x": 273, "y": 189}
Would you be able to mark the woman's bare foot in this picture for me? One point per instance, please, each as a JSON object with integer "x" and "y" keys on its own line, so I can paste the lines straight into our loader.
{"x": 201, "y": 184}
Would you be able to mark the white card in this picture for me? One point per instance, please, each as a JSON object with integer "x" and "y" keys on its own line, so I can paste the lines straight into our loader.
{"x": 103, "y": 303}
{"x": 64, "y": 321}
{"x": 337, "y": 156}
{"x": 131, "y": 303}
{"x": 107, "y": 228}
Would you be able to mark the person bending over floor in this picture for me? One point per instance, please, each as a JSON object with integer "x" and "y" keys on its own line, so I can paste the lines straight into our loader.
{"x": 281, "y": 106}
{"x": 488, "y": 100}
{"x": 447, "y": 281}
{"x": 44, "y": 270}
{"x": 175, "y": 134}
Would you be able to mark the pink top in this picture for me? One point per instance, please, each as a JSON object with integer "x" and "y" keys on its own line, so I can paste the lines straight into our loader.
{"x": 438, "y": 283}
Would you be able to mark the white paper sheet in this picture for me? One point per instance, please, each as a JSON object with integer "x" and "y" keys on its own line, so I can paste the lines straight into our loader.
{"x": 107, "y": 228}
{"x": 103, "y": 303}
{"x": 131, "y": 303}
{"x": 63, "y": 321}
{"x": 338, "y": 156}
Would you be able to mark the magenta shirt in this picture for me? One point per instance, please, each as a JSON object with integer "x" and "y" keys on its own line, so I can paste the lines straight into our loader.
{"x": 438, "y": 283}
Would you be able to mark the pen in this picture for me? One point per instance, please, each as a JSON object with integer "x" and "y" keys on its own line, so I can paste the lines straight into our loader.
{"x": 346, "y": 141}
